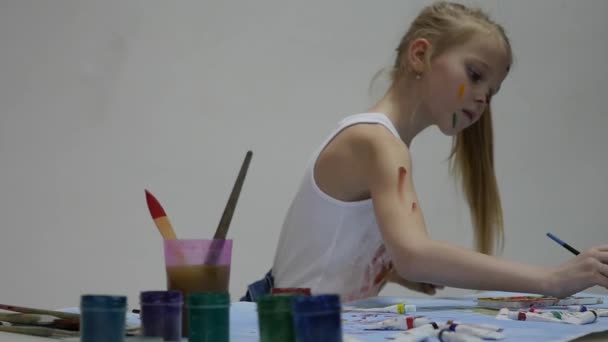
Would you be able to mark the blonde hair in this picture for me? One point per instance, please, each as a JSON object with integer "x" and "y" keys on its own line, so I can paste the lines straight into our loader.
{"x": 444, "y": 25}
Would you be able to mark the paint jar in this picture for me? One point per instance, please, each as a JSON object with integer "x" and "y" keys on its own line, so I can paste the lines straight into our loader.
{"x": 317, "y": 318}
{"x": 102, "y": 318}
{"x": 275, "y": 320}
{"x": 304, "y": 291}
{"x": 209, "y": 317}
{"x": 161, "y": 314}
{"x": 196, "y": 266}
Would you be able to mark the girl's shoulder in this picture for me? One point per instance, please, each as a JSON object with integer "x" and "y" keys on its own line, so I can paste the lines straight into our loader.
{"x": 343, "y": 168}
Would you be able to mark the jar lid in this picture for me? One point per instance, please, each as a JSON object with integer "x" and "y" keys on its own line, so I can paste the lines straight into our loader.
{"x": 208, "y": 298}
{"x": 160, "y": 297}
{"x": 305, "y": 291}
{"x": 103, "y": 302}
{"x": 329, "y": 302}
{"x": 278, "y": 303}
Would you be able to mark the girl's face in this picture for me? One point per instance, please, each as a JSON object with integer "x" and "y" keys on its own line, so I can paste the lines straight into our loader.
{"x": 463, "y": 80}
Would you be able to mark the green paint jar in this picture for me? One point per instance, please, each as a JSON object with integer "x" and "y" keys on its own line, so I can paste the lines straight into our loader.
{"x": 208, "y": 317}
{"x": 275, "y": 319}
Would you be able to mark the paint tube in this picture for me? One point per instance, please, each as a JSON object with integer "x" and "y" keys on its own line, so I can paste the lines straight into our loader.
{"x": 348, "y": 338}
{"x": 579, "y": 301}
{"x": 446, "y": 335}
{"x": 505, "y": 314}
{"x": 490, "y": 327}
{"x": 577, "y": 308}
{"x": 400, "y": 308}
{"x": 582, "y": 308}
{"x": 418, "y": 334}
{"x": 481, "y": 333}
{"x": 398, "y": 323}
{"x": 577, "y": 318}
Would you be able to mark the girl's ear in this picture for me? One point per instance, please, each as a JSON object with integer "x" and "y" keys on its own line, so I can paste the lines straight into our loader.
{"x": 417, "y": 55}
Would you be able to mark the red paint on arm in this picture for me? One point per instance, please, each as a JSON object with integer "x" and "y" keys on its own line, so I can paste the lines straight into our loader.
{"x": 402, "y": 175}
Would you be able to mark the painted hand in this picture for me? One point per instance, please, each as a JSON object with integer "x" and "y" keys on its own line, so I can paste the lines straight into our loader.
{"x": 587, "y": 269}
{"x": 429, "y": 289}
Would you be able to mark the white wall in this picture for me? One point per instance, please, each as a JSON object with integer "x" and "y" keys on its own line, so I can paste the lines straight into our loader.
{"x": 99, "y": 100}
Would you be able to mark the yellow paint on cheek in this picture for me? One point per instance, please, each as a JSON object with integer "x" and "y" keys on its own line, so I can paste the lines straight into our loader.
{"x": 461, "y": 91}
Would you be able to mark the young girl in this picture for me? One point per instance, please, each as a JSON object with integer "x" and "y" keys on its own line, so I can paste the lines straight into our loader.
{"x": 355, "y": 222}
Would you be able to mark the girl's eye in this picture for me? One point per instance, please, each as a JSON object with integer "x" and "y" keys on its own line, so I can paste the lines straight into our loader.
{"x": 474, "y": 75}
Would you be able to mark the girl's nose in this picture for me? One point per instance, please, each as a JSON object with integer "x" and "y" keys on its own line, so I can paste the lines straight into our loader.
{"x": 483, "y": 98}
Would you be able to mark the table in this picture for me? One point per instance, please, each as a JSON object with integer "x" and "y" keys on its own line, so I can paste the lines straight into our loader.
{"x": 243, "y": 321}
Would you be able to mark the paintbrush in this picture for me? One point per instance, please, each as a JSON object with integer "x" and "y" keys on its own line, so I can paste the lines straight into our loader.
{"x": 41, "y": 320}
{"x": 26, "y": 310}
{"x": 160, "y": 217}
{"x": 39, "y": 331}
{"x": 565, "y": 245}
{"x": 222, "y": 228}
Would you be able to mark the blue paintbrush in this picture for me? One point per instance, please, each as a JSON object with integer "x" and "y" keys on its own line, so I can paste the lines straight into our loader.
{"x": 565, "y": 245}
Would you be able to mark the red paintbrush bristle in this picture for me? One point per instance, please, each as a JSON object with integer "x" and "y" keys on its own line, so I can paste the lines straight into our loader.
{"x": 156, "y": 210}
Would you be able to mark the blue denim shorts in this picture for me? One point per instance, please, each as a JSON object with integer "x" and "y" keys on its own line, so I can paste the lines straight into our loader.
{"x": 259, "y": 288}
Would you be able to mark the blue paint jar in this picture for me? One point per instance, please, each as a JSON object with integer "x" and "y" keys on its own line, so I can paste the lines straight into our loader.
{"x": 317, "y": 318}
{"x": 161, "y": 314}
{"x": 102, "y": 318}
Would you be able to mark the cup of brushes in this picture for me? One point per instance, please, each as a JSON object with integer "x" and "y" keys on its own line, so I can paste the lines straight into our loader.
{"x": 199, "y": 266}
{"x": 199, "y": 269}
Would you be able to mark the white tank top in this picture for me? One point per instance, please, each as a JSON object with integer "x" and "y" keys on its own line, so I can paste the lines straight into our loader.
{"x": 329, "y": 245}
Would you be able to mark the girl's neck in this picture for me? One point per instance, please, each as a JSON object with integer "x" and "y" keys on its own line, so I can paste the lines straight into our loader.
{"x": 401, "y": 104}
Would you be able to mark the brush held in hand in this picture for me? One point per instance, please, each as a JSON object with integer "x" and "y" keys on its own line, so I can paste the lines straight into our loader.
{"x": 222, "y": 228}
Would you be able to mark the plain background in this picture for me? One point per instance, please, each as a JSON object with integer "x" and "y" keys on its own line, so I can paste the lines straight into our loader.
{"x": 100, "y": 100}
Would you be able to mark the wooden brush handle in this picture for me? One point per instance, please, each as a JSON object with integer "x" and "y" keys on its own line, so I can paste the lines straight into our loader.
{"x": 25, "y": 310}
{"x": 39, "y": 331}
{"x": 222, "y": 228}
{"x": 16, "y": 318}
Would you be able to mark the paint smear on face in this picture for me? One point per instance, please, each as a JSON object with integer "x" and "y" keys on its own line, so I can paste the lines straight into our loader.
{"x": 402, "y": 174}
{"x": 460, "y": 91}
{"x": 414, "y": 206}
{"x": 454, "y": 120}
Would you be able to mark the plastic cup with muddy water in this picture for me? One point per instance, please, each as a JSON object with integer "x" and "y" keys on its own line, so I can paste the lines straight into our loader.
{"x": 197, "y": 265}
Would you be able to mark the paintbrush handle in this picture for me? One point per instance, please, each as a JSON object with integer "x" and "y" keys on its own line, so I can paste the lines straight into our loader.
{"x": 25, "y": 318}
{"x": 25, "y": 310}
{"x": 41, "y": 320}
{"x": 165, "y": 228}
{"x": 39, "y": 331}
{"x": 222, "y": 228}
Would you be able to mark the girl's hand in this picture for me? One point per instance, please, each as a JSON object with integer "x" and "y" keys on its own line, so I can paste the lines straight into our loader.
{"x": 587, "y": 269}
{"x": 425, "y": 288}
